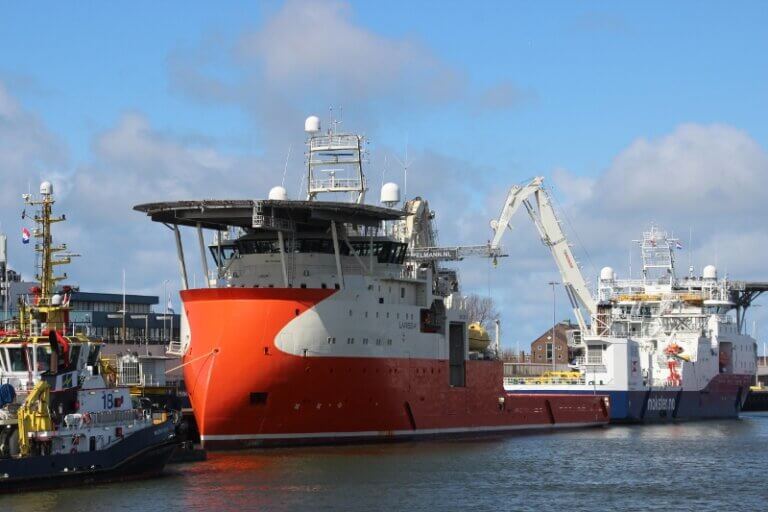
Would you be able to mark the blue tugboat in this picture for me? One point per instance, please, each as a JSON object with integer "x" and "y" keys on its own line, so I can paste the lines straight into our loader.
{"x": 63, "y": 419}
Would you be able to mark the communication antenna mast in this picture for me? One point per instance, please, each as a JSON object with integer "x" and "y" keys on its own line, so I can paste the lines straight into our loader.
{"x": 405, "y": 164}
{"x": 48, "y": 309}
{"x": 285, "y": 169}
{"x": 334, "y": 161}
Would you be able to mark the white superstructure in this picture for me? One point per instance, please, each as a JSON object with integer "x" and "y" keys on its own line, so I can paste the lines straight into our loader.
{"x": 666, "y": 346}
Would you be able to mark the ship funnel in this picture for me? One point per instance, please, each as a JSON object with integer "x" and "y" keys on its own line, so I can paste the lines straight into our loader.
{"x": 312, "y": 124}
{"x": 390, "y": 194}
{"x": 278, "y": 194}
{"x": 46, "y": 188}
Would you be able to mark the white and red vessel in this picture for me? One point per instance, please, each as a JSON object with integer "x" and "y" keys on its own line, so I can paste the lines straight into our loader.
{"x": 329, "y": 321}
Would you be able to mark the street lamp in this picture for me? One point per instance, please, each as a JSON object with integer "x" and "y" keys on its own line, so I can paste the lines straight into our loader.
{"x": 554, "y": 320}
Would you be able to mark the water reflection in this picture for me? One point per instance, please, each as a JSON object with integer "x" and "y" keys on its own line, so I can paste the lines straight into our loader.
{"x": 692, "y": 466}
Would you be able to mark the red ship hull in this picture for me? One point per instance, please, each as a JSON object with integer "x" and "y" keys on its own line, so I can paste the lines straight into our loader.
{"x": 245, "y": 391}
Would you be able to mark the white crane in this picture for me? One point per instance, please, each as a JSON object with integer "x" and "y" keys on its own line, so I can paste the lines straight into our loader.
{"x": 546, "y": 222}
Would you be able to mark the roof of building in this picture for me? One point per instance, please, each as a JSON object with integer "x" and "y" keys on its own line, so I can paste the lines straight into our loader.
{"x": 114, "y": 297}
{"x": 561, "y": 328}
{"x": 265, "y": 214}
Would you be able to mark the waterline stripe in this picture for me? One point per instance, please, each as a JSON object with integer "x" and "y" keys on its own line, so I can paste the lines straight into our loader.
{"x": 389, "y": 433}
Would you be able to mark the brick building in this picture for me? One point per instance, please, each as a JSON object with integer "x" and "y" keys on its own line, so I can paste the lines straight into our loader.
{"x": 542, "y": 347}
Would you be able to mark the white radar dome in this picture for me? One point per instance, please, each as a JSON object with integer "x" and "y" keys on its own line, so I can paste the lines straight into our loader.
{"x": 709, "y": 272}
{"x": 46, "y": 188}
{"x": 278, "y": 194}
{"x": 390, "y": 194}
{"x": 56, "y": 300}
{"x": 312, "y": 124}
{"x": 607, "y": 274}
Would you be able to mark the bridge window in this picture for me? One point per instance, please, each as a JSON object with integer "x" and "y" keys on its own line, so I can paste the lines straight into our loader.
{"x": 17, "y": 360}
{"x": 227, "y": 252}
{"x": 386, "y": 251}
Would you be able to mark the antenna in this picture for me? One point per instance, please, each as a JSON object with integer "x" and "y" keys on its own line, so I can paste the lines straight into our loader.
{"x": 285, "y": 169}
{"x": 404, "y": 164}
{"x": 690, "y": 250}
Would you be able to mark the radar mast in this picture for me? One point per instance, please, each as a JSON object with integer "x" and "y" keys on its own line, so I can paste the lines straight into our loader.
{"x": 334, "y": 161}
{"x": 48, "y": 309}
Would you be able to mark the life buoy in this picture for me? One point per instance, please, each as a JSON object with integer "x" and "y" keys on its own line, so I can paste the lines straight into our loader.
{"x": 86, "y": 419}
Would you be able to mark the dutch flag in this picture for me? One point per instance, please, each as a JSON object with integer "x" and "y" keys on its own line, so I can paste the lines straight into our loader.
{"x": 678, "y": 244}
{"x": 25, "y": 235}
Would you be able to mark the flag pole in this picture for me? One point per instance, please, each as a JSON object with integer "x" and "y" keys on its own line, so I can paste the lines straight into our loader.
{"x": 123, "y": 306}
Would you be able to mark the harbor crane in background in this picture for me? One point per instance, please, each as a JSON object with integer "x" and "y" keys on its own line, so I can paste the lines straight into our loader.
{"x": 551, "y": 233}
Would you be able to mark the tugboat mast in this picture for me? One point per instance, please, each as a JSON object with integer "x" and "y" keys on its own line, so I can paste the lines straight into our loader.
{"x": 48, "y": 308}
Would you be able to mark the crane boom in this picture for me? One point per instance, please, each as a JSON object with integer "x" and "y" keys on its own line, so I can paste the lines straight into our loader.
{"x": 548, "y": 226}
{"x": 420, "y": 238}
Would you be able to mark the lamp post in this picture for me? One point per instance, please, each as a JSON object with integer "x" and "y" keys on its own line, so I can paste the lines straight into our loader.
{"x": 552, "y": 284}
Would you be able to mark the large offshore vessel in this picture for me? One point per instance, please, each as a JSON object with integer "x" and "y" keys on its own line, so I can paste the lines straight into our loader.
{"x": 332, "y": 321}
{"x": 663, "y": 347}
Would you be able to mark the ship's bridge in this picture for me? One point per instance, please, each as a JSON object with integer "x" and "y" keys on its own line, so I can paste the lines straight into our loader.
{"x": 283, "y": 226}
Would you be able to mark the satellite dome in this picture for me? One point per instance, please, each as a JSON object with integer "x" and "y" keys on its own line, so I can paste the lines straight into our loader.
{"x": 607, "y": 274}
{"x": 278, "y": 194}
{"x": 390, "y": 194}
{"x": 56, "y": 300}
{"x": 709, "y": 272}
{"x": 46, "y": 188}
{"x": 312, "y": 124}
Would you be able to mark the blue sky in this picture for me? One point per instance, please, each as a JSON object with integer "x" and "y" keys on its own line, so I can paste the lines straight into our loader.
{"x": 485, "y": 94}
{"x": 599, "y": 73}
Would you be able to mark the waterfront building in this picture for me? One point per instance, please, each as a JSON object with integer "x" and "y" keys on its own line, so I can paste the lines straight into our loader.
{"x": 101, "y": 314}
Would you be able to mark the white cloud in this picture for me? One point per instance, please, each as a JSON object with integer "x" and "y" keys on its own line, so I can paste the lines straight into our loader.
{"x": 310, "y": 43}
{"x": 130, "y": 163}
{"x": 708, "y": 178}
{"x": 504, "y": 95}
{"x": 696, "y": 170}
{"x": 29, "y": 153}
{"x": 308, "y": 55}
{"x": 134, "y": 163}
{"x": 28, "y": 150}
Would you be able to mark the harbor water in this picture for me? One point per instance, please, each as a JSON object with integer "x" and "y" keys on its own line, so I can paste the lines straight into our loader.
{"x": 718, "y": 465}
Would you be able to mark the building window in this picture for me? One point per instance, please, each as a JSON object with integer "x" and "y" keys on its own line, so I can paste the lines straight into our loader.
{"x": 549, "y": 351}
